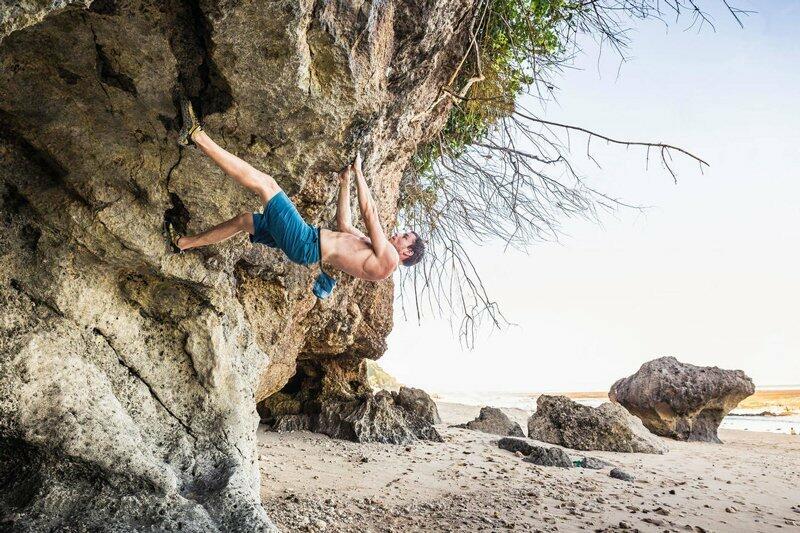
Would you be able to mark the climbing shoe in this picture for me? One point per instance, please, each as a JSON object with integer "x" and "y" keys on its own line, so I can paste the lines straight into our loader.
{"x": 174, "y": 236}
{"x": 190, "y": 123}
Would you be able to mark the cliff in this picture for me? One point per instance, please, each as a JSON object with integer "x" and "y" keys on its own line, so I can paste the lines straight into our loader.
{"x": 129, "y": 375}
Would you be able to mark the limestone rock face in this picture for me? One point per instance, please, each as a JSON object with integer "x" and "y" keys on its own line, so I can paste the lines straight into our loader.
{"x": 682, "y": 401}
{"x": 335, "y": 399}
{"x": 493, "y": 420}
{"x": 129, "y": 375}
{"x": 559, "y": 420}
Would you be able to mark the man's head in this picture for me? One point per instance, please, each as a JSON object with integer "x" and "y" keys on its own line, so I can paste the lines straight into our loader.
{"x": 410, "y": 247}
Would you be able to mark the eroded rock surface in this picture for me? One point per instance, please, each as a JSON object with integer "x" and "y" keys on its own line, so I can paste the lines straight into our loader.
{"x": 129, "y": 375}
{"x": 333, "y": 398}
{"x": 493, "y": 420}
{"x": 609, "y": 427}
{"x": 682, "y": 401}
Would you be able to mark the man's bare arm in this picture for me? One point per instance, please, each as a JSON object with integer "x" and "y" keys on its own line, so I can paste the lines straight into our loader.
{"x": 369, "y": 212}
{"x": 343, "y": 215}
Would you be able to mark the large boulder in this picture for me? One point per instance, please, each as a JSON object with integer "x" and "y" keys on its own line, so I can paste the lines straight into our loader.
{"x": 682, "y": 401}
{"x": 128, "y": 374}
{"x": 334, "y": 398}
{"x": 493, "y": 420}
{"x": 559, "y": 420}
{"x": 417, "y": 402}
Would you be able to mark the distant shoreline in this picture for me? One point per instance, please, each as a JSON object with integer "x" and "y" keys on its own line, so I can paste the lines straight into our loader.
{"x": 784, "y": 400}
{"x": 769, "y": 399}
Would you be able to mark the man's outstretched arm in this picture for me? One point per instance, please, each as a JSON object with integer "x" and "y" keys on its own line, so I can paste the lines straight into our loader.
{"x": 344, "y": 218}
{"x": 387, "y": 260}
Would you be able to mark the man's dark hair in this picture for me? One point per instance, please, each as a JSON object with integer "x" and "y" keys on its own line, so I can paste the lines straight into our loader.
{"x": 419, "y": 250}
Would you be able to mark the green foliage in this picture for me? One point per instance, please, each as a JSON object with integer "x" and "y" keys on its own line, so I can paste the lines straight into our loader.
{"x": 515, "y": 38}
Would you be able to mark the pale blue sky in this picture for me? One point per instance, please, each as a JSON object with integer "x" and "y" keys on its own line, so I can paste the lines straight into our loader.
{"x": 710, "y": 274}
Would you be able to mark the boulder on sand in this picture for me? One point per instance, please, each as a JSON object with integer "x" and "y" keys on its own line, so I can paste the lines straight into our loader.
{"x": 538, "y": 455}
{"x": 493, "y": 420}
{"x": 514, "y": 445}
{"x": 334, "y": 398}
{"x": 418, "y": 402}
{"x": 549, "y": 457}
{"x": 682, "y": 401}
{"x": 559, "y": 420}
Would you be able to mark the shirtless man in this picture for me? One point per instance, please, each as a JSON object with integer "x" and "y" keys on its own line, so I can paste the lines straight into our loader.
{"x": 372, "y": 257}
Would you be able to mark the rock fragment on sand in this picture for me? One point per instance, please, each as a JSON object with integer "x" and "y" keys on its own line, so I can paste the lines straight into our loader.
{"x": 682, "y": 401}
{"x": 559, "y": 420}
{"x": 495, "y": 421}
{"x": 549, "y": 457}
{"x": 618, "y": 473}
{"x": 512, "y": 444}
{"x": 593, "y": 463}
{"x": 538, "y": 455}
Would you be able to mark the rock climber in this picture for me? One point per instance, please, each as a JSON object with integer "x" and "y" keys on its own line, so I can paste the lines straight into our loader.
{"x": 371, "y": 257}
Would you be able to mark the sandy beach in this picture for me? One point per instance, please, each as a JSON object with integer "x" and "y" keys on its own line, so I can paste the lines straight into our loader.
{"x": 313, "y": 483}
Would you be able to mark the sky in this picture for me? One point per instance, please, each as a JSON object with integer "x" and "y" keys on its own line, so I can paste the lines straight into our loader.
{"x": 709, "y": 274}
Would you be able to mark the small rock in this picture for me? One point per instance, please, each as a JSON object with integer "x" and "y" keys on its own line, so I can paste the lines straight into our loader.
{"x": 618, "y": 473}
{"x": 549, "y": 457}
{"x": 593, "y": 463}
{"x": 731, "y": 509}
{"x": 493, "y": 420}
{"x": 515, "y": 445}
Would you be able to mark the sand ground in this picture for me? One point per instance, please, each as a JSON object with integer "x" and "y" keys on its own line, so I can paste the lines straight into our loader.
{"x": 313, "y": 483}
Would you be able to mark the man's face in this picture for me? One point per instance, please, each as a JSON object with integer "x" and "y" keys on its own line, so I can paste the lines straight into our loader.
{"x": 402, "y": 243}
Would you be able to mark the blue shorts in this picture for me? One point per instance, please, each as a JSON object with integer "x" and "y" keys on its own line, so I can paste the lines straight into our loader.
{"x": 281, "y": 226}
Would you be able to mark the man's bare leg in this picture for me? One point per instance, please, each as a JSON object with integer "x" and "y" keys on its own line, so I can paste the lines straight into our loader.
{"x": 242, "y": 172}
{"x": 218, "y": 233}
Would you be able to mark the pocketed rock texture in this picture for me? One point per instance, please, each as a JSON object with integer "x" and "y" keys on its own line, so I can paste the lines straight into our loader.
{"x": 334, "y": 399}
{"x": 682, "y": 401}
{"x": 609, "y": 427}
{"x": 493, "y": 420}
{"x": 129, "y": 375}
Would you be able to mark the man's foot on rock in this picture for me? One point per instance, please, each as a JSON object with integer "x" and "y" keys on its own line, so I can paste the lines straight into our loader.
{"x": 190, "y": 122}
{"x": 174, "y": 238}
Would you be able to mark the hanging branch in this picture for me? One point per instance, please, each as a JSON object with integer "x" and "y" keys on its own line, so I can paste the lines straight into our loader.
{"x": 498, "y": 172}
